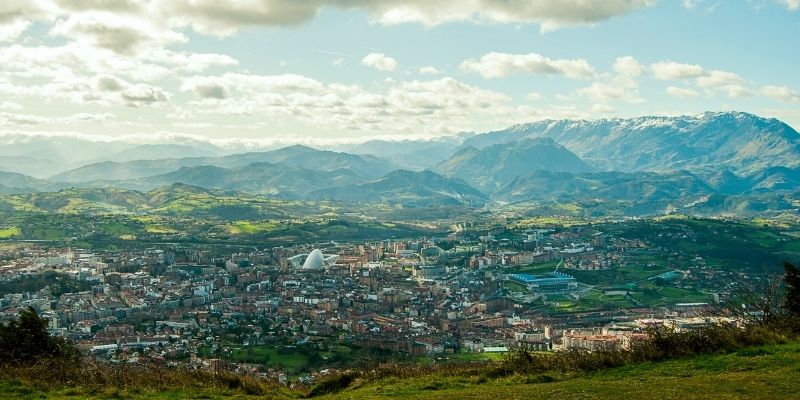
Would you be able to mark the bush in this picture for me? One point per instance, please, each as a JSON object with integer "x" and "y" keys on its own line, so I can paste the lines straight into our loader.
{"x": 667, "y": 344}
{"x": 525, "y": 362}
{"x": 59, "y": 373}
{"x": 26, "y": 339}
{"x": 248, "y": 384}
{"x": 664, "y": 344}
{"x": 333, "y": 384}
{"x": 791, "y": 278}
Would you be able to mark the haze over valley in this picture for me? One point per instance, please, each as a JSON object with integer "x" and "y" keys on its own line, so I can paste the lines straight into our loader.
{"x": 713, "y": 163}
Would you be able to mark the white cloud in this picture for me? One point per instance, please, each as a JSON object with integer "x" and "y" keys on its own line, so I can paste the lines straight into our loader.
{"x": 710, "y": 80}
{"x": 608, "y": 92}
{"x": 628, "y": 66}
{"x": 16, "y": 16}
{"x": 724, "y": 81}
{"x": 498, "y": 65}
{"x": 441, "y": 105}
{"x": 681, "y": 92}
{"x": 781, "y": 93}
{"x": 66, "y": 73}
{"x": 143, "y": 95}
{"x": 266, "y": 84}
{"x": 120, "y": 33}
{"x": 224, "y": 17}
{"x": 112, "y": 90}
{"x": 380, "y": 61}
{"x": 717, "y": 78}
{"x": 690, "y": 4}
{"x": 112, "y": 53}
{"x": 73, "y": 59}
{"x": 669, "y": 70}
{"x": 103, "y": 90}
{"x": 10, "y": 31}
{"x": 10, "y": 105}
{"x": 429, "y": 70}
{"x": 189, "y": 62}
{"x": 550, "y": 14}
{"x": 103, "y": 5}
{"x": 791, "y": 5}
{"x": 534, "y": 96}
{"x": 622, "y": 86}
{"x": 206, "y": 87}
{"x": 25, "y": 136}
{"x": 29, "y": 120}
{"x": 110, "y": 84}
{"x": 603, "y": 108}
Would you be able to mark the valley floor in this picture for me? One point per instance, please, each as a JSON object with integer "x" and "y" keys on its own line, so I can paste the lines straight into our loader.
{"x": 768, "y": 372}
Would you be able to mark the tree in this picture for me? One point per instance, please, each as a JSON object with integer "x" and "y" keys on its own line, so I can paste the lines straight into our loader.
{"x": 26, "y": 339}
{"x": 757, "y": 302}
{"x": 791, "y": 279}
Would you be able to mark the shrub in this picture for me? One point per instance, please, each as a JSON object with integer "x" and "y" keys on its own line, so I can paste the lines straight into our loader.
{"x": 26, "y": 339}
{"x": 664, "y": 344}
{"x": 333, "y": 384}
{"x": 791, "y": 278}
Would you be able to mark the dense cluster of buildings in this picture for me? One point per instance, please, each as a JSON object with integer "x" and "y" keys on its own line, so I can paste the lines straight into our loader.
{"x": 405, "y": 296}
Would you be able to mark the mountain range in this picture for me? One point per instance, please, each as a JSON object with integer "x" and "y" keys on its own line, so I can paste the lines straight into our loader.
{"x": 258, "y": 178}
{"x": 411, "y": 188}
{"x": 295, "y": 156}
{"x": 742, "y": 142}
{"x": 721, "y": 161}
{"x": 492, "y": 167}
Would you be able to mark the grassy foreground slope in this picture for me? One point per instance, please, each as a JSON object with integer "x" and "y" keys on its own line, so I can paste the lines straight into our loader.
{"x": 769, "y": 372}
{"x": 766, "y": 372}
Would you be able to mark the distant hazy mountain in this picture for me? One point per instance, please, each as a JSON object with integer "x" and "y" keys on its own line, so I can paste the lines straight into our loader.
{"x": 35, "y": 167}
{"x": 325, "y": 160}
{"x": 298, "y": 156}
{"x": 113, "y": 171}
{"x": 494, "y": 166}
{"x": 257, "y": 178}
{"x": 60, "y": 150}
{"x": 13, "y": 182}
{"x": 161, "y": 151}
{"x": 43, "y": 156}
{"x": 421, "y": 189}
{"x": 738, "y": 141}
{"x": 9, "y": 190}
{"x": 410, "y": 154}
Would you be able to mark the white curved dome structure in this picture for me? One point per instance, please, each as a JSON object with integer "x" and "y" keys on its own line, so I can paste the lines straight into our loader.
{"x": 315, "y": 260}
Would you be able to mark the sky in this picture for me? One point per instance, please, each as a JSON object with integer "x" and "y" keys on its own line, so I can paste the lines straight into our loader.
{"x": 324, "y": 71}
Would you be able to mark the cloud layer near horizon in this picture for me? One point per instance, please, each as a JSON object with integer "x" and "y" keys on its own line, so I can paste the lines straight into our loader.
{"x": 103, "y": 66}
